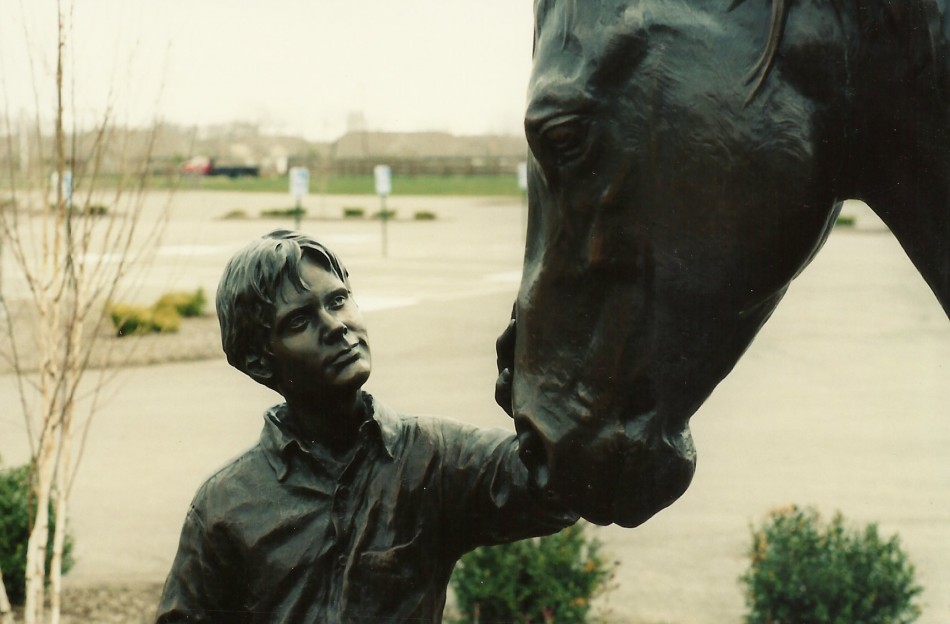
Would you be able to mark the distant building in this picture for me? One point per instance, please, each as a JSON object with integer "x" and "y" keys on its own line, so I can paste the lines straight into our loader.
{"x": 417, "y": 153}
{"x": 166, "y": 150}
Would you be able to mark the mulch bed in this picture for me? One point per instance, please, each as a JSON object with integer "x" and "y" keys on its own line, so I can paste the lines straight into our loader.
{"x": 111, "y": 604}
{"x": 198, "y": 339}
{"x": 108, "y": 604}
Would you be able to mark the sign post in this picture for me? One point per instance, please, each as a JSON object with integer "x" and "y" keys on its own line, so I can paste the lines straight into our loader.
{"x": 384, "y": 186}
{"x": 66, "y": 185}
{"x": 523, "y": 185}
{"x": 299, "y": 186}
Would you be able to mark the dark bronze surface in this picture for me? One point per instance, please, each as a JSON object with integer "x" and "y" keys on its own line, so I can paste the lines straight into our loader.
{"x": 344, "y": 511}
{"x": 687, "y": 160}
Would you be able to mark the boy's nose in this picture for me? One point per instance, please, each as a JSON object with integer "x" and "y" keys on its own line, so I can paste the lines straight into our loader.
{"x": 334, "y": 328}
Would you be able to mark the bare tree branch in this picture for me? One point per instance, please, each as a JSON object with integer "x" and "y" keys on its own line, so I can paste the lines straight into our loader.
{"x": 68, "y": 261}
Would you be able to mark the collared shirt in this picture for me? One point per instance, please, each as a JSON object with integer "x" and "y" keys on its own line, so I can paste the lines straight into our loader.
{"x": 289, "y": 533}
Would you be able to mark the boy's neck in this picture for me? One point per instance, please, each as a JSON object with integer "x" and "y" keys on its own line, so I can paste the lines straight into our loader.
{"x": 333, "y": 423}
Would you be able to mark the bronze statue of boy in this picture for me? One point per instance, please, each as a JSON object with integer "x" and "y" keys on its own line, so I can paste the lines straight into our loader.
{"x": 344, "y": 511}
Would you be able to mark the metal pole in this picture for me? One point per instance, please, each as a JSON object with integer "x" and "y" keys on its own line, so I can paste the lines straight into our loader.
{"x": 524, "y": 215}
{"x": 384, "y": 217}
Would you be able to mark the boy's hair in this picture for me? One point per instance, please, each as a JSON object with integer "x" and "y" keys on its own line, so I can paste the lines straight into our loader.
{"x": 248, "y": 291}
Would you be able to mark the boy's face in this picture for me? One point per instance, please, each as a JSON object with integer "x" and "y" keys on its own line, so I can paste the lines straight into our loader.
{"x": 319, "y": 340}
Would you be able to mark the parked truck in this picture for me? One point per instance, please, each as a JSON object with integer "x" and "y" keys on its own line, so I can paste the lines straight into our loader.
{"x": 205, "y": 166}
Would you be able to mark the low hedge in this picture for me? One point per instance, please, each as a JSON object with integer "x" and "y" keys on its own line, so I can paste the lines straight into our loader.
{"x": 805, "y": 570}
{"x": 547, "y": 579}
{"x": 162, "y": 317}
{"x": 17, "y": 510}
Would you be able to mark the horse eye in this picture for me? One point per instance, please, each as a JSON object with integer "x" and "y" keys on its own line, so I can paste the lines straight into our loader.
{"x": 565, "y": 138}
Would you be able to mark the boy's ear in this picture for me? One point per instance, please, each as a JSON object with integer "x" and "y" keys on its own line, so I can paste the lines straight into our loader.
{"x": 260, "y": 366}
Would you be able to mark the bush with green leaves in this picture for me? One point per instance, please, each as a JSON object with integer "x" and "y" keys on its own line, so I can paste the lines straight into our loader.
{"x": 237, "y": 213}
{"x": 547, "y": 579}
{"x": 387, "y": 214}
{"x": 187, "y": 304}
{"x": 16, "y": 516}
{"x": 132, "y": 320}
{"x": 806, "y": 570}
{"x": 280, "y": 213}
{"x": 163, "y": 317}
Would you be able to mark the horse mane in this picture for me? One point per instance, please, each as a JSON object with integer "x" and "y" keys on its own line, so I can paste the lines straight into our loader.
{"x": 541, "y": 9}
{"x": 780, "y": 11}
{"x": 763, "y": 66}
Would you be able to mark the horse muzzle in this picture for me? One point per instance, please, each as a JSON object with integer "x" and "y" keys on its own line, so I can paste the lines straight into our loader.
{"x": 607, "y": 473}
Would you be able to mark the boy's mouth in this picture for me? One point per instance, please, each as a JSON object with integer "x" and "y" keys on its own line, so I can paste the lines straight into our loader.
{"x": 347, "y": 356}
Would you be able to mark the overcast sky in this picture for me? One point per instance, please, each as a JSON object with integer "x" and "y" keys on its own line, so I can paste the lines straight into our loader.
{"x": 296, "y": 66}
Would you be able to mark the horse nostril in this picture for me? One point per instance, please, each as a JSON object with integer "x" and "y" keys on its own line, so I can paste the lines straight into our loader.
{"x": 532, "y": 453}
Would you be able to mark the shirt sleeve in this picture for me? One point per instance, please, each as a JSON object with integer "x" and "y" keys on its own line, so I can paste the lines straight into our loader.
{"x": 489, "y": 496}
{"x": 201, "y": 583}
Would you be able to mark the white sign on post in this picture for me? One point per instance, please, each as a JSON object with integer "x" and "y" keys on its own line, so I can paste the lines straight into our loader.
{"x": 66, "y": 184}
{"x": 299, "y": 182}
{"x": 523, "y": 176}
{"x": 384, "y": 180}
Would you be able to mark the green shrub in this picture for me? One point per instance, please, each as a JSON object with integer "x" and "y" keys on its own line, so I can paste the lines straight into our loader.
{"x": 165, "y": 319}
{"x": 845, "y": 221}
{"x": 187, "y": 304}
{"x": 804, "y": 570}
{"x": 237, "y": 213}
{"x": 424, "y": 215}
{"x": 87, "y": 210}
{"x": 547, "y": 579}
{"x": 281, "y": 213}
{"x": 353, "y": 212}
{"x": 388, "y": 214}
{"x": 132, "y": 320}
{"x": 15, "y": 518}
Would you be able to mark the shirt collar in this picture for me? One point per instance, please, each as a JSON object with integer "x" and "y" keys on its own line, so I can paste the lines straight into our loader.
{"x": 278, "y": 441}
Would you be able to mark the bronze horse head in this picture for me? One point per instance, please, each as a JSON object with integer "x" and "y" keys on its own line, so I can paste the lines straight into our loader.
{"x": 687, "y": 161}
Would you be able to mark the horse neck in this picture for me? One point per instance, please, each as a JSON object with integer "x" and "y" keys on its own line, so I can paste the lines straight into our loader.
{"x": 899, "y": 145}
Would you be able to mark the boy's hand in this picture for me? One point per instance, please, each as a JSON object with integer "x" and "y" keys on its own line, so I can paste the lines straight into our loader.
{"x": 505, "y": 351}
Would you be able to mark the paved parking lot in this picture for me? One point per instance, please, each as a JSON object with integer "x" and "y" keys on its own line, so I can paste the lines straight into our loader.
{"x": 841, "y": 401}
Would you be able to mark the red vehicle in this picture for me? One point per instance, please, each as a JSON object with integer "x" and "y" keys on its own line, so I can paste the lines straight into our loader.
{"x": 202, "y": 165}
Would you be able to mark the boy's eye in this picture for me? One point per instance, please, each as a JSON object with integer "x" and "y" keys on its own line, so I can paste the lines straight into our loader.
{"x": 297, "y": 323}
{"x": 338, "y": 302}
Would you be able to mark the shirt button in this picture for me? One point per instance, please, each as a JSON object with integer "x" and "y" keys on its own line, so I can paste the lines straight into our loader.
{"x": 341, "y": 562}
